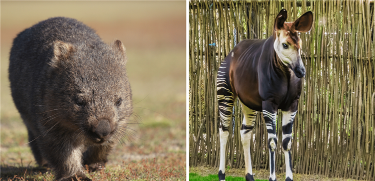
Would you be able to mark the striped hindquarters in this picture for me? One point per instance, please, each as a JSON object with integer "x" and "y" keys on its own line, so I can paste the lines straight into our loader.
{"x": 224, "y": 95}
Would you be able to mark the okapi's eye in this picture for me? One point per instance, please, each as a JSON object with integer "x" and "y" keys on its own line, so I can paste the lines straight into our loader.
{"x": 285, "y": 46}
{"x": 118, "y": 102}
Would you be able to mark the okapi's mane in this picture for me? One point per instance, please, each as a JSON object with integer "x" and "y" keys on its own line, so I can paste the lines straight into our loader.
{"x": 290, "y": 32}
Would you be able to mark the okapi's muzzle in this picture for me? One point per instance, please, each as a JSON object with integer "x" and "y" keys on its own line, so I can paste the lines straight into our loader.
{"x": 299, "y": 71}
{"x": 298, "y": 68}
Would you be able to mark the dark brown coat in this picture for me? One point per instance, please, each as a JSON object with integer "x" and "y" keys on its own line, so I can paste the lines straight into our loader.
{"x": 72, "y": 92}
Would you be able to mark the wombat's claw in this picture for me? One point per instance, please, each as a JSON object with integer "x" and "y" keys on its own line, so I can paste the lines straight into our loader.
{"x": 288, "y": 179}
{"x": 221, "y": 175}
{"x": 75, "y": 178}
{"x": 96, "y": 167}
{"x": 249, "y": 177}
{"x": 86, "y": 179}
{"x": 45, "y": 165}
{"x": 83, "y": 179}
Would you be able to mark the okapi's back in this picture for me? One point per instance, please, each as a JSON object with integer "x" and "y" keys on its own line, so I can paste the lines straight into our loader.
{"x": 244, "y": 54}
{"x": 239, "y": 71}
{"x": 248, "y": 51}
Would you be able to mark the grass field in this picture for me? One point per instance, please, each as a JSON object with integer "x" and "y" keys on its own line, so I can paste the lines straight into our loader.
{"x": 154, "y": 36}
{"x": 209, "y": 173}
{"x": 196, "y": 177}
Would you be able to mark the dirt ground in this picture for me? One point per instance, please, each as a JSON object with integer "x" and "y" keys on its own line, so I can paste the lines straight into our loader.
{"x": 154, "y": 36}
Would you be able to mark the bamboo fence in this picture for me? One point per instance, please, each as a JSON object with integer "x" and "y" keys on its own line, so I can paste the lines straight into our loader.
{"x": 334, "y": 128}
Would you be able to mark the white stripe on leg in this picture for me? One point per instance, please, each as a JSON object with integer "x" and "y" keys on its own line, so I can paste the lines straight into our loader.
{"x": 288, "y": 119}
{"x": 245, "y": 138}
{"x": 272, "y": 163}
{"x": 223, "y": 143}
{"x": 247, "y": 126}
{"x": 289, "y": 172}
{"x": 272, "y": 147}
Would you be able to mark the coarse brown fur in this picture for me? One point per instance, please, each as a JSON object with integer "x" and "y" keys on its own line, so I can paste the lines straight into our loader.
{"x": 72, "y": 92}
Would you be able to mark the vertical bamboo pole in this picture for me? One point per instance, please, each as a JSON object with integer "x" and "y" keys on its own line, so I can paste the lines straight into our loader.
{"x": 334, "y": 132}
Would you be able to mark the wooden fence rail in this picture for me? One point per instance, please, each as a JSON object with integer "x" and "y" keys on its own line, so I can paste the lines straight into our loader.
{"x": 334, "y": 128}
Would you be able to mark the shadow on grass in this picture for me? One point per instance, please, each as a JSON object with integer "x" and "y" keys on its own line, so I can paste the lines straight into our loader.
{"x": 21, "y": 172}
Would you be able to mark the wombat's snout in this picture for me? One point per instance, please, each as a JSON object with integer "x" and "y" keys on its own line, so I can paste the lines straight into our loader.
{"x": 101, "y": 131}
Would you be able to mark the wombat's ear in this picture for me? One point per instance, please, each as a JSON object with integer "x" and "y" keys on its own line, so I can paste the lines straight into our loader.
{"x": 117, "y": 45}
{"x": 61, "y": 51}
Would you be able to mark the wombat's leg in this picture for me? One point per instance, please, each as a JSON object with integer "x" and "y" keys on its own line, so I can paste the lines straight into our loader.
{"x": 96, "y": 157}
{"x": 71, "y": 166}
{"x": 33, "y": 142}
{"x": 74, "y": 178}
{"x": 63, "y": 155}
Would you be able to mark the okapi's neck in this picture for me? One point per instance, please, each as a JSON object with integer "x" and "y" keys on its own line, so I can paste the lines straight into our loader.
{"x": 276, "y": 63}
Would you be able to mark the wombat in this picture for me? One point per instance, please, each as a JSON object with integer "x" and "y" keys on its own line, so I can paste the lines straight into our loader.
{"x": 72, "y": 92}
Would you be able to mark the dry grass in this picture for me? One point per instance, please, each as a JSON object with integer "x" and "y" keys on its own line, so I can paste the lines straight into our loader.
{"x": 154, "y": 36}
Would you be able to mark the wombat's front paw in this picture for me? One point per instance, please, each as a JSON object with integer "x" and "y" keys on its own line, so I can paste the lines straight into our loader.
{"x": 74, "y": 178}
{"x": 82, "y": 179}
{"x": 96, "y": 166}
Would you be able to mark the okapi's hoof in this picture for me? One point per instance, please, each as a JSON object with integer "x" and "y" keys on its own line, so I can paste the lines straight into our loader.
{"x": 271, "y": 179}
{"x": 249, "y": 177}
{"x": 221, "y": 175}
{"x": 288, "y": 179}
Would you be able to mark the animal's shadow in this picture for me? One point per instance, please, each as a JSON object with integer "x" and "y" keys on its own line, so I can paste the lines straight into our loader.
{"x": 21, "y": 172}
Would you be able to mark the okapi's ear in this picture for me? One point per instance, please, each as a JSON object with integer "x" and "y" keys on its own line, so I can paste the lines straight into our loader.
{"x": 280, "y": 19}
{"x": 303, "y": 24}
{"x": 61, "y": 52}
{"x": 117, "y": 45}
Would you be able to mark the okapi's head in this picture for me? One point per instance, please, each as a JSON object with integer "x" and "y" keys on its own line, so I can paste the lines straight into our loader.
{"x": 287, "y": 44}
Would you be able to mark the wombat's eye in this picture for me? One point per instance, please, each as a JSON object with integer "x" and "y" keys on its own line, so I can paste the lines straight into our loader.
{"x": 80, "y": 102}
{"x": 118, "y": 102}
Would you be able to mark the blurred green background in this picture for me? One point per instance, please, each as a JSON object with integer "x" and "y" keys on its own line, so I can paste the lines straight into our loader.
{"x": 155, "y": 40}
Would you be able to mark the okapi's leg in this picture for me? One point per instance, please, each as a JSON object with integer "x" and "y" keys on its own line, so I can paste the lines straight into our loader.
{"x": 288, "y": 119}
{"x": 225, "y": 99}
{"x": 247, "y": 126}
{"x": 269, "y": 114}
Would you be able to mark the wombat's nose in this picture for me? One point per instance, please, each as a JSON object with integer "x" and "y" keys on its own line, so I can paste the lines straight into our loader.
{"x": 102, "y": 129}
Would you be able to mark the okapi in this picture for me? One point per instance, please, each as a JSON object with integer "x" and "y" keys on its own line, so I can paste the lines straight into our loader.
{"x": 266, "y": 75}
